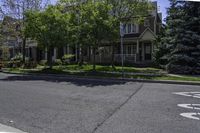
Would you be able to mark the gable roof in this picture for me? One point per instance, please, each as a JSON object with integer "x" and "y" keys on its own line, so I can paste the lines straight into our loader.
{"x": 148, "y": 34}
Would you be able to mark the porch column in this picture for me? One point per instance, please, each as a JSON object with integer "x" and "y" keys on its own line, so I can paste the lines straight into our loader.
{"x": 45, "y": 53}
{"x": 27, "y": 52}
{"x": 137, "y": 51}
{"x": 68, "y": 52}
{"x": 152, "y": 48}
{"x": 76, "y": 50}
{"x": 138, "y": 43}
{"x": 64, "y": 50}
{"x": 55, "y": 53}
{"x": 13, "y": 52}
{"x": 80, "y": 53}
{"x": 143, "y": 54}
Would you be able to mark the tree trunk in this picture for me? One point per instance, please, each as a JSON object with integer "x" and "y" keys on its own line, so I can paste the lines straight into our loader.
{"x": 113, "y": 54}
{"x": 80, "y": 62}
{"x": 49, "y": 57}
{"x": 94, "y": 59}
{"x": 24, "y": 50}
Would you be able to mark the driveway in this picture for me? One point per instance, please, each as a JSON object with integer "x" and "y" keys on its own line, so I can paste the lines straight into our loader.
{"x": 46, "y": 104}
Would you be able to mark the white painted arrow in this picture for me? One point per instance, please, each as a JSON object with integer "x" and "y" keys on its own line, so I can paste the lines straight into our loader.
{"x": 191, "y": 115}
{"x": 190, "y": 106}
{"x": 188, "y": 94}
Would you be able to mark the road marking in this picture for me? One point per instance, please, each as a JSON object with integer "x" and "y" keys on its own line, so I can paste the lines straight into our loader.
{"x": 8, "y": 129}
{"x": 188, "y": 94}
{"x": 7, "y": 132}
{"x": 191, "y": 115}
{"x": 190, "y": 106}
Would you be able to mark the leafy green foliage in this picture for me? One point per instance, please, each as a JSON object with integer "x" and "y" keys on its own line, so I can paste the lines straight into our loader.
{"x": 5, "y": 53}
{"x": 49, "y": 28}
{"x": 17, "y": 57}
{"x": 83, "y": 24}
{"x": 67, "y": 58}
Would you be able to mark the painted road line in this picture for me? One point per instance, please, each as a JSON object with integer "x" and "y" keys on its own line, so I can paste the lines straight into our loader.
{"x": 7, "y": 129}
{"x": 194, "y": 116}
{"x": 190, "y": 106}
{"x": 188, "y": 94}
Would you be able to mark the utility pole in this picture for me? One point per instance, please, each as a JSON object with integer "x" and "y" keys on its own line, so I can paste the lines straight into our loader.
{"x": 122, "y": 47}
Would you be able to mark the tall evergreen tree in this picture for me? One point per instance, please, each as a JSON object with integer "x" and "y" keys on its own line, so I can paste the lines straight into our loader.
{"x": 166, "y": 39}
{"x": 183, "y": 28}
{"x": 180, "y": 41}
{"x": 161, "y": 48}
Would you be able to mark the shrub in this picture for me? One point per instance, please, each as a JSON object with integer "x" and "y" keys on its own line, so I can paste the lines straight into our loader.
{"x": 14, "y": 63}
{"x": 30, "y": 64}
{"x": 43, "y": 62}
{"x": 17, "y": 57}
{"x": 57, "y": 62}
{"x": 66, "y": 59}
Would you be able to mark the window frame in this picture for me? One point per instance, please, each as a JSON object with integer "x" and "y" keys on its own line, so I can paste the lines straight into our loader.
{"x": 133, "y": 28}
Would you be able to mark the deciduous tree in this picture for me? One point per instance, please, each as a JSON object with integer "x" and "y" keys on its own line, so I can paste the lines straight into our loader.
{"x": 49, "y": 28}
{"x": 17, "y": 9}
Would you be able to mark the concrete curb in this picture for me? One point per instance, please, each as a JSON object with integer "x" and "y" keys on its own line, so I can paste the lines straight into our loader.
{"x": 7, "y": 129}
{"x": 59, "y": 76}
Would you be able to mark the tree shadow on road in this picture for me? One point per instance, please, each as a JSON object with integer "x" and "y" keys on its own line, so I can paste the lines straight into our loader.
{"x": 84, "y": 81}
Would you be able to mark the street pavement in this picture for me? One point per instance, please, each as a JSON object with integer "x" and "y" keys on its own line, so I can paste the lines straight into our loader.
{"x": 46, "y": 104}
{"x": 7, "y": 129}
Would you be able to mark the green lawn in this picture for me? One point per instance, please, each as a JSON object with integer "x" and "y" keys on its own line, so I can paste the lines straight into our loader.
{"x": 100, "y": 68}
{"x": 86, "y": 71}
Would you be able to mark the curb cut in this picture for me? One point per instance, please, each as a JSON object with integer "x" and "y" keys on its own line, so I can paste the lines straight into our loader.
{"x": 59, "y": 76}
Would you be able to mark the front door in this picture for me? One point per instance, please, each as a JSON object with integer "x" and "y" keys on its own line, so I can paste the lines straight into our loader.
{"x": 147, "y": 51}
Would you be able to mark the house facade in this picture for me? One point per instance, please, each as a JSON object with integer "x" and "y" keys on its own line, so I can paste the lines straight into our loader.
{"x": 138, "y": 45}
{"x": 138, "y": 42}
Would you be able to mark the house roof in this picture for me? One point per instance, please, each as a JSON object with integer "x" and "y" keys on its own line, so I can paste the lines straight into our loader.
{"x": 148, "y": 34}
{"x": 132, "y": 35}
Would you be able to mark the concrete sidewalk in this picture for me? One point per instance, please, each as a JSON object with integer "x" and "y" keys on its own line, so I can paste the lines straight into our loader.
{"x": 7, "y": 129}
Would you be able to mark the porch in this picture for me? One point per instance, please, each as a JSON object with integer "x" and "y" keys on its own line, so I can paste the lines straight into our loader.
{"x": 140, "y": 52}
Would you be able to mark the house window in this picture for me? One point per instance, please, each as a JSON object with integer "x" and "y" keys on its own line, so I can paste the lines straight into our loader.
{"x": 133, "y": 28}
{"x": 130, "y": 28}
{"x": 129, "y": 49}
{"x": 146, "y": 23}
{"x": 134, "y": 49}
{"x": 125, "y": 31}
{"x": 148, "y": 49}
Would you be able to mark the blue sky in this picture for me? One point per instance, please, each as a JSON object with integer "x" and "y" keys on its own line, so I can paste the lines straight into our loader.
{"x": 163, "y": 4}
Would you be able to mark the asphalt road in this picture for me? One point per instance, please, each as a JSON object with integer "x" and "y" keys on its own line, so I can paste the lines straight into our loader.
{"x": 54, "y": 105}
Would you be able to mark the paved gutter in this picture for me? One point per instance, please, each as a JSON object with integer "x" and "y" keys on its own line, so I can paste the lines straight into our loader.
{"x": 107, "y": 79}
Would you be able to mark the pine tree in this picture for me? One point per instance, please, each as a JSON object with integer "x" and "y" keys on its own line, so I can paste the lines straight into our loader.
{"x": 161, "y": 48}
{"x": 166, "y": 39}
{"x": 185, "y": 38}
